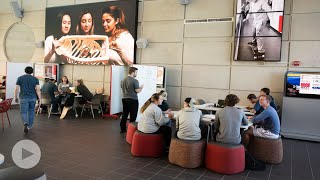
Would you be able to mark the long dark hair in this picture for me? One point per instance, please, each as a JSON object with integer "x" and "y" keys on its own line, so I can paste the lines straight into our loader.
{"x": 154, "y": 97}
{"x": 116, "y": 13}
{"x": 78, "y": 29}
{"x": 59, "y": 22}
{"x": 66, "y": 78}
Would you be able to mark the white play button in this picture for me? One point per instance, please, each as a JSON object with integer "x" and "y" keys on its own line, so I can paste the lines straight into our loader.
{"x": 26, "y": 154}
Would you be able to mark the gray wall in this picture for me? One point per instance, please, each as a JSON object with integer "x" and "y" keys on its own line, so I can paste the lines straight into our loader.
{"x": 198, "y": 56}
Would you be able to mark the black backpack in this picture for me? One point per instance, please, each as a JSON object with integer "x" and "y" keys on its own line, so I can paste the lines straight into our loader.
{"x": 253, "y": 164}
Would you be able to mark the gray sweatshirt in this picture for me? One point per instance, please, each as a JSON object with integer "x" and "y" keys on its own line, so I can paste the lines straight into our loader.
{"x": 187, "y": 123}
{"x": 151, "y": 119}
{"x": 227, "y": 123}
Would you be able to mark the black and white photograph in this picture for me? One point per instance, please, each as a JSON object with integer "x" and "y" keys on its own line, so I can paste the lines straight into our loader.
{"x": 91, "y": 34}
{"x": 258, "y": 30}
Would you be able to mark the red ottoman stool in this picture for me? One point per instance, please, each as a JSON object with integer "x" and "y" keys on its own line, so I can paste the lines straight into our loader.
{"x": 225, "y": 158}
{"x": 147, "y": 145}
{"x": 132, "y": 127}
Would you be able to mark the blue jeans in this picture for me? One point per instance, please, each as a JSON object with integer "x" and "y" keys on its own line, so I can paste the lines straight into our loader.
{"x": 27, "y": 110}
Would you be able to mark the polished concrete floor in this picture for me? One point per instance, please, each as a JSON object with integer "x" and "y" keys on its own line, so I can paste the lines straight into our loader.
{"x": 86, "y": 148}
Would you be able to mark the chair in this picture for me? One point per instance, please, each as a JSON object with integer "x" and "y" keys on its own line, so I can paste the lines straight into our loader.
{"x": 200, "y": 102}
{"x": 225, "y": 158}
{"x": 147, "y": 145}
{"x": 266, "y": 150}
{"x": 45, "y": 100}
{"x": 4, "y": 107}
{"x": 187, "y": 154}
{"x": 10, "y": 102}
{"x": 95, "y": 103}
{"x": 132, "y": 127}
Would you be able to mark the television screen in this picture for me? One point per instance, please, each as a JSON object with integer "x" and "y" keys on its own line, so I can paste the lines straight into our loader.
{"x": 258, "y": 31}
{"x": 303, "y": 84}
{"x": 96, "y": 33}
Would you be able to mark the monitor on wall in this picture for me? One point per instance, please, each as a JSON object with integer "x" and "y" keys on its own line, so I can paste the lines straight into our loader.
{"x": 101, "y": 33}
{"x": 302, "y": 84}
{"x": 258, "y": 30}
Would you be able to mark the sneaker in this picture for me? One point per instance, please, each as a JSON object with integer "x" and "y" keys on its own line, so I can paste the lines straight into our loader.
{"x": 26, "y": 130}
{"x": 29, "y": 128}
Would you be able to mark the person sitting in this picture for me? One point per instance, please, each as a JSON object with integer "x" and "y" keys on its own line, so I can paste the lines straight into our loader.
{"x": 67, "y": 102}
{"x": 52, "y": 89}
{"x": 255, "y": 101}
{"x": 188, "y": 121}
{"x": 84, "y": 91}
{"x": 268, "y": 119}
{"x": 153, "y": 119}
{"x": 164, "y": 106}
{"x": 228, "y": 121}
{"x": 266, "y": 91}
{"x": 3, "y": 83}
{"x": 64, "y": 85}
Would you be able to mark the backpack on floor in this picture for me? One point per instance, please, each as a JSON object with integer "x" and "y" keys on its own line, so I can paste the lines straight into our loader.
{"x": 253, "y": 164}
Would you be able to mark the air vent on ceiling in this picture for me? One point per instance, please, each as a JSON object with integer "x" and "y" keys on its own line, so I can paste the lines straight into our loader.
{"x": 208, "y": 20}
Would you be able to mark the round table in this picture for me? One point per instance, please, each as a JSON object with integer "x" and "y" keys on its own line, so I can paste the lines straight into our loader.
{"x": 1, "y": 159}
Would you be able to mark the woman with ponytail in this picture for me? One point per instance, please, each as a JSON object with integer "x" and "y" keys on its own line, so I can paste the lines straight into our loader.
{"x": 153, "y": 120}
{"x": 188, "y": 121}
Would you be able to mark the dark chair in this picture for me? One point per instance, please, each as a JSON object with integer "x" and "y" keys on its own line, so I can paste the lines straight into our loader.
{"x": 4, "y": 107}
{"x": 200, "y": 102}
{"x": 95, "y": 103}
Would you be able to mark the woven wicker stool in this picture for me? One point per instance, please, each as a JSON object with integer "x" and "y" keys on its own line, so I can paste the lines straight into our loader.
{"x": 225, "y": 158}
{"x": 266, "y": 150}
{"x": 147, "y": 145}
{"x": 132, "y": 127}
{"x": 187, "y": 154}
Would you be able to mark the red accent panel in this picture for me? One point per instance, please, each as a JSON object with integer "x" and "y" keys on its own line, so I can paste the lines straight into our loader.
{"x": 280, "y": 23}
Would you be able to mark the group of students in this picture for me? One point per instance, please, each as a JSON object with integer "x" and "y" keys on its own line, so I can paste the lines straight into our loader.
{"x": 226, "y": 124}
{"x": 121, "y": 43}
{"x": 63, "y": 96}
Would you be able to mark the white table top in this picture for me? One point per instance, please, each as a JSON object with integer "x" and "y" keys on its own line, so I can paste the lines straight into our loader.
{"x": 210, "y": 107}
{"x": 1, "y": 158}
{"x": 211, "y": 117}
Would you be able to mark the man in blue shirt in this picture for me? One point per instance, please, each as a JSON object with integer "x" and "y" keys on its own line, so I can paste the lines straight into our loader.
{"x": 268, "y": 119}
{"x": 52, "y": 89}
{"x": 29, "y": 89}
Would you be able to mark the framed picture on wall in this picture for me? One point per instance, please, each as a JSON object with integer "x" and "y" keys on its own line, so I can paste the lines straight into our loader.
{"x": 258, "y": 30}
{"x": 92, "y": 34}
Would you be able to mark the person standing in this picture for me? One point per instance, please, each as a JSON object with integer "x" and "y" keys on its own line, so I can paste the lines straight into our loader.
{"x": 29, "y": 89}
{"x": 130, "y": 89}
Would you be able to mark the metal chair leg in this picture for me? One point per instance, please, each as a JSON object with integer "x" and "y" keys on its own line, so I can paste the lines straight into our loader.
{"x": 92, "y": 111}
{"x": 208, "y": 133}
{"x": 8, "y": 119}
{"x": 2, "y": 122}
{"x": 38, "y": 110}
{"x": 82, "y": 110}
{"x": 50, "y": 109}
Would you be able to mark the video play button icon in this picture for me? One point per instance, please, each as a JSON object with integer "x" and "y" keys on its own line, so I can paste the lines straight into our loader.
{"x": 26, "y": 154}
